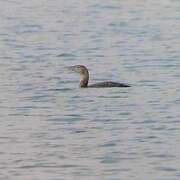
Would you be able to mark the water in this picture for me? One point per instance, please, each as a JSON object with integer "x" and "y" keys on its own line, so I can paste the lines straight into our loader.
{"x": 51, "y": 129}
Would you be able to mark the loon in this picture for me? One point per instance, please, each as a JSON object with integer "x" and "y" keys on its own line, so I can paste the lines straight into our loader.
{"x": 83, "y": 71}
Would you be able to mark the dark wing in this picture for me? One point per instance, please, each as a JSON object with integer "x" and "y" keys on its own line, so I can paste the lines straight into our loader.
{"x": 108, "y": 84}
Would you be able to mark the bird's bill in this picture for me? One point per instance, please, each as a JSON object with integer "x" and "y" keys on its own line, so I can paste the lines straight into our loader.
{"x": 71, "y": 68}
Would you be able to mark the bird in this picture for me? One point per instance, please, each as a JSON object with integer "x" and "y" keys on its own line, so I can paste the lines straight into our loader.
{"x": 84, "y": 73}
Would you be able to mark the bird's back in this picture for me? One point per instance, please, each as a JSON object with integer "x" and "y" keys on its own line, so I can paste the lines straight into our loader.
{"x": 108, "y": 84}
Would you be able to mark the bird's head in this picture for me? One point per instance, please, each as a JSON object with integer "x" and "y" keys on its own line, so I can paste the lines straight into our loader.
{"x": 82, "y": 70}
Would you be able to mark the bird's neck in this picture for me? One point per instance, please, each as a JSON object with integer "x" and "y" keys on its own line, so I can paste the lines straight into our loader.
{"x": 84, "y": 80}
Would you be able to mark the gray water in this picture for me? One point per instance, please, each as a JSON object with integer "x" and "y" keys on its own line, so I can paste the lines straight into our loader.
{"x": 50, "y": 129}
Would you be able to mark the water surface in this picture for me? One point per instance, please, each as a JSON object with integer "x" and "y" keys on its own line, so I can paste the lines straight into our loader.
{"x": 51, "y": 129}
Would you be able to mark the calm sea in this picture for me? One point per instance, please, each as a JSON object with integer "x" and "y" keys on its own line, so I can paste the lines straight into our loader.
{"x": 50, "y": 129}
